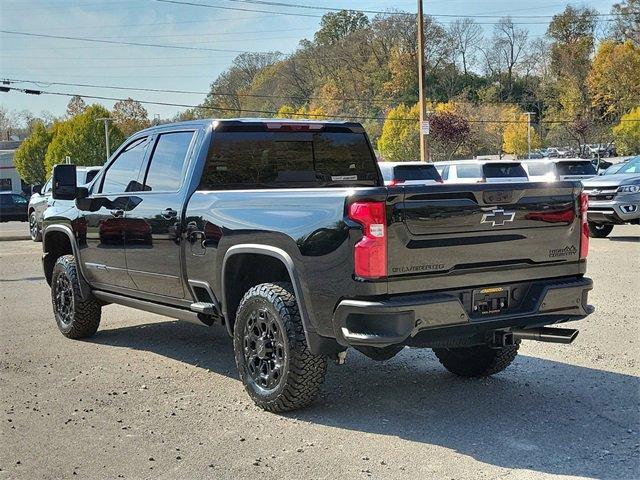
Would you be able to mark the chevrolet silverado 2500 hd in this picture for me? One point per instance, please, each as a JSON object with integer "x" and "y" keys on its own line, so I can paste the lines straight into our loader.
{"x": 284, "y": 232}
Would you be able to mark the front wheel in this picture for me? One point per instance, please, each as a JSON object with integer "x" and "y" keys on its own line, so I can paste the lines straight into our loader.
{"x": 34, "y": 229}
{"x": 273, "y": 359}
{"x": 478, "y": 361}
{"x": 599, "y": 230}
{"x": 77, "y": 317}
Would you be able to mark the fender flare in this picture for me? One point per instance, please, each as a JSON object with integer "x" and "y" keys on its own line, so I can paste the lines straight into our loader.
{"x": 85, "y": 290}
{"x": 285, "y": 258}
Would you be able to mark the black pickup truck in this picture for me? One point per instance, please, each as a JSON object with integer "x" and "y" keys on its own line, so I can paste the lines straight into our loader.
{"x": 283, "y": 232}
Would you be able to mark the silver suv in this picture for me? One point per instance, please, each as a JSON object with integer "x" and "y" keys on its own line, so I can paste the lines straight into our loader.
{"x": 614, "y": 199}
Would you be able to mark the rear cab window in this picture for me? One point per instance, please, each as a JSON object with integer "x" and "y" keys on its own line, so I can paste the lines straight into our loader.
{"x": 540, "y": 169}
{"x": 468, "y": 171}
{"x": 576, "y": 168}
{"x": 503, "y": 170}
{"x": 260, "y": 157}
{"x": 403, "y": 173}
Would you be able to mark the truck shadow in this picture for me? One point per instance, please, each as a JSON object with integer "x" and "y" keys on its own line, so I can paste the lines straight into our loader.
{"x": 538, "y": 415}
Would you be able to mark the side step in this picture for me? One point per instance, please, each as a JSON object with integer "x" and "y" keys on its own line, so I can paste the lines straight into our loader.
{"x": 172, "y": 312}
{"x": 204, "y": 308}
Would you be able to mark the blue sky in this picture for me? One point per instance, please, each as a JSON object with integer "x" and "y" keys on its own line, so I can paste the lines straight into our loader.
{"x": 150, "y": 21}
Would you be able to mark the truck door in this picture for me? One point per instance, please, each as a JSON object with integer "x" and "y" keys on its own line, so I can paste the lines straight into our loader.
{"x": 101, "y": 219}
{"x": 153, "y": 225}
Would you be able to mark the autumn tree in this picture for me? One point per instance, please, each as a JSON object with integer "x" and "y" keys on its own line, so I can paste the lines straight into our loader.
{"x": 627, "y": 133}
{"x": 82, "y": 139}
{"x": 626, "y": 22}
{"x": 30, "y": 155}
{"x": 400, "y": 139}
{"x": 466, "y": 35}
{"x": 447, "y": 133}
{"x": 614, "y": 79}
{"x": 516, "y": 137}
{"x": 130, "y": 116}
{"x": 76, "y": 106}
{"x": 335, "y": 26}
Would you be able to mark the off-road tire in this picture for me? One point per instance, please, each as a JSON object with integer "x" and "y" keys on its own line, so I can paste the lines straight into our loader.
{"x": 302, "y": 373}
{"x": 34, "y": 231}
{"x": 479, "y": 361}
{"x": 79, "y": 317}
{"x": 599, "y": 230}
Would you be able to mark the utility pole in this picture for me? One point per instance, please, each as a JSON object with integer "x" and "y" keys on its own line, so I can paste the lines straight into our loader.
{"x": 528, "y": 114}
{"x": 106, "y": 121}
{"x": 424, "y": 142}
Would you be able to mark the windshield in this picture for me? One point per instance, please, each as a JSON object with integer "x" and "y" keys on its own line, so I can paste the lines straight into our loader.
{"x": 575, "y": 168}
{"x": 632, "y": 166}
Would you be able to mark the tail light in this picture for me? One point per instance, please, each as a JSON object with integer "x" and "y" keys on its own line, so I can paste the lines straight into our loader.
{"x": 584, "y": 226}
{"x": 370, "y": 255}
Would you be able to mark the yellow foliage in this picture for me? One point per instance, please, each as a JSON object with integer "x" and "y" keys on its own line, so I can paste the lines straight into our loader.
{"x": 627, "y": 133}
{"x": 515, "y": 139}
{"x": 287, "y": 111}
{"x": 400, "y": 139}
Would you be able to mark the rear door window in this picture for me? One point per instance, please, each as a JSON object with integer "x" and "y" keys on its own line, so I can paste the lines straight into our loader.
{"x": 575, "y": 168}
{"x": 405, "y": 173}
{"x": 251, "y": 159}
{"x": 503, "y": 170}
{"x": 167, "y": 162}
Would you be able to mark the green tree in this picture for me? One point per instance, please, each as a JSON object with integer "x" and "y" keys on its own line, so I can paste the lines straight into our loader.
{"x": 337, "y": 25}
{"x": 627, "y": 133}
{"x": 400, "y": 139}
{"x": 130, "y": 116}
{"x": 515, "y": 137}
{"x": 82, "y": 139}
{"x": 29, "y": 158}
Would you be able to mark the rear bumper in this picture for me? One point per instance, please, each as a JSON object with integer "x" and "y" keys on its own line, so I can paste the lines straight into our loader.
{"x": 432, "y": 319}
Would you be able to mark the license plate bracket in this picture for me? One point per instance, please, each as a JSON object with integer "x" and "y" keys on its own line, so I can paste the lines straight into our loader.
{"x": 490, "y": 301}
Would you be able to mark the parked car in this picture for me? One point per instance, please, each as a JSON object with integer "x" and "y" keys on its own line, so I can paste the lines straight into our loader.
{"x": 409, "y": 173}
{"x": 284, "y": 233}
{"x": 13, "y": 206}
{"x": 481, "y": 171}
{"x": 558, "y": 169}
{"x": 601, "y": 150}
{"x": 560, "y": 152}
{"x": 614, "y": 199}
{"x": 616, "y": 167}
{"x": 41, "y": 199}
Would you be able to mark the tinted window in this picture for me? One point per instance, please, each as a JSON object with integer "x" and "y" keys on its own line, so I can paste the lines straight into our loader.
{"x": 416, "y": 172}
{"x": 6, "y": 200}
{"x": 468, "y": 171}
{"x": 539, "y": 169}
{"x": 17, "y": 199}
{"x": 91, "y": 174}
{"x": 122, "y": 175}
{"x": 503, "y": 170}
{"x": 575, "y": 168}
{"x": 47, "y": 186}
{"x": 277, "y": 159}
{"x": 167, "y": 160}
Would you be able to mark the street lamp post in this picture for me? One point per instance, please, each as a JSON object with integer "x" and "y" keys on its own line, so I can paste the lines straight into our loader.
{"x": 106, "y": 121}
{"x": 528, "y": 114}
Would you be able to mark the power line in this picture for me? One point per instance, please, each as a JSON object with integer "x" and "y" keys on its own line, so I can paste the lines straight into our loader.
{"x": 334, "y": 9}
{"x": 4, "y": 88}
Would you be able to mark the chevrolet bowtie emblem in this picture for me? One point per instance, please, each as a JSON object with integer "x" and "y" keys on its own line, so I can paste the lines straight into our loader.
{"x": 498, "y": 217}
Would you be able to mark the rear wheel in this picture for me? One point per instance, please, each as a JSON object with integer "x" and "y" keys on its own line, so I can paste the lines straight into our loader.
{"x": 599, "y": 230}
{"x": 273, "y": 359}
{"x": 478, "y": 361}
{"x": 34, "y": 229}
{"x": 76, "y": 317}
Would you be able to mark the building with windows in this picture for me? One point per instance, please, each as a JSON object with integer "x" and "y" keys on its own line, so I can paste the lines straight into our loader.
{"x": 10, "y": 181}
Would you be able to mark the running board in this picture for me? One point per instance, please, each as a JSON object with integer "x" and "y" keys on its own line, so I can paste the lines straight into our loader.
{"x": 204, "y": 308}
{"x": 167, "y": 311}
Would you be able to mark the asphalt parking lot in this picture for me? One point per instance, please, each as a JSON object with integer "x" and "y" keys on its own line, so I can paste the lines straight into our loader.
{"x": 148, "y": 397}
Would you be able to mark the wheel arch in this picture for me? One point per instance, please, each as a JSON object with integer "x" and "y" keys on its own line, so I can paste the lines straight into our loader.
{"x": 59, "y": 240}
{"x": 279, "y": 263}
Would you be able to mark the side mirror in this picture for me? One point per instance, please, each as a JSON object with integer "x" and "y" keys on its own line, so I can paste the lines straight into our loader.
{"x": 37, "y": 188}
{"x": 64, "y": 185}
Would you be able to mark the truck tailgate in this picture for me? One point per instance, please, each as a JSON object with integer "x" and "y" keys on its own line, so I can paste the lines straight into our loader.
{"x": 449, "y": 230}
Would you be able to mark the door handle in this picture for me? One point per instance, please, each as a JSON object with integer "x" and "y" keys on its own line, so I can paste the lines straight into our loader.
{"x": 117, "y": 213}
{"x": 169, "y": 213}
